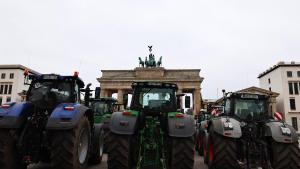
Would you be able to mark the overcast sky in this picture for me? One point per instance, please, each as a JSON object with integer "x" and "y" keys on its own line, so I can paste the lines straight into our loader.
{"x": 231, "y": 41}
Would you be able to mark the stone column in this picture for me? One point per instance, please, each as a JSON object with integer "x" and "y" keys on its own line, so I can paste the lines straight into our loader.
{"x": 197, "y": 101}
{"x": 179, "y": 91}
{"x": 104, "y": 93}
{"x": 120, "y": 96}
{"x": 109, "y": 93}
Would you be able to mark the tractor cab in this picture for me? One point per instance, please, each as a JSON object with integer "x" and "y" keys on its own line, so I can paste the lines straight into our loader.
{"x": 246, "y": 106}
{"x": 154, "y": 98}
{"x": 48, "y": 90}
{"x": 103, "y": 107}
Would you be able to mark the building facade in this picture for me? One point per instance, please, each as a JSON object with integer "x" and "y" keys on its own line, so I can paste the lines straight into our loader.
{"x": 12, "y": 83}
{"x": 284, "y": 78}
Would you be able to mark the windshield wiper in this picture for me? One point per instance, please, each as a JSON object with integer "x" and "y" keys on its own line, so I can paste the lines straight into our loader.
{"x": 147, "y": 92}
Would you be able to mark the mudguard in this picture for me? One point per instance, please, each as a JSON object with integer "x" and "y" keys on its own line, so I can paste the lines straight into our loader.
{"x": 218, "y": 126}
{"x": 181, "y": 127}
{"x": 62, "y": 118}
{"x": 121, "y": 124}
{"x": 273, "y": 129}
{"x": 14, "y": 114}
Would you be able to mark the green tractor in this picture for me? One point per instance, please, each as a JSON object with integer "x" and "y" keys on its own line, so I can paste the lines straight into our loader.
{"x": 152, "y": 133}
{"x": 103, "y": 108}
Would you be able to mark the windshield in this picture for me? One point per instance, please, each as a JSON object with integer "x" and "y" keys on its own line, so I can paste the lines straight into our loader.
{"x": 101, "y": 108}
{"x": 49, "y": 94}
{"x": 249, "y": 108}
{"x": 154, "y": 98}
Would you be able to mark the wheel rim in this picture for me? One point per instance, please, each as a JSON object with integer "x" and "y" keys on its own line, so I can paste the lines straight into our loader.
{"x": 83, "y": 146}
{"x": 101, "y": 143}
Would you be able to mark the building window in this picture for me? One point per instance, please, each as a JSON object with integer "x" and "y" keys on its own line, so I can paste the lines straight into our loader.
{"x": 298, "y": 73}
{"x": 8, "y": 99}
{"x": 0, "y": 100}
{"x": 5, "y": 89}
{"x": 9, "y": 89}
{"x": 269, "y": 80}
{"x": 295, "y": 123}
{"x": 289, "y": 74}
{"x": 296, "y": 88}
{"x": 1, "y": 89}
{"x": 11, "y": 76}
{"x": 3, "y": 76}
{"x": 292, "y": 104}
{"x": 291, "y": 88}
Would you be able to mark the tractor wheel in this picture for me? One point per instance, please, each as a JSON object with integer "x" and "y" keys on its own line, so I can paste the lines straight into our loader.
{"x": 221, "y": 152}
{"x": 70, "y": 149}
{"x": 106, "y": 140}
{"x": 9, "y": 158}
{"x": 119, "y": 152}
{"x": 97, "y": 146}
{"x": 181, "y": 153}
{"x": 199, "y": 143}
{"x": 205, "y": 148}
{"x": 285, "y": 156}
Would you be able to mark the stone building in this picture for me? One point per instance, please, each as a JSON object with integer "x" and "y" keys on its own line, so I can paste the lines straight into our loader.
{"x": 119, "y": 81}
{"x": 284, "y": 78}
{"x": 12, "y": 83}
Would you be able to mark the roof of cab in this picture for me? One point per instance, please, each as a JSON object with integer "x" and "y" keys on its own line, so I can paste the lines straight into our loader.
{"x": 154, "y": 84}
{"x": 54, "y": 77}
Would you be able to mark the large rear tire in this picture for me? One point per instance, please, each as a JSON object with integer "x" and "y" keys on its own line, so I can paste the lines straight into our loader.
{"x": 106, "y": 140}
{"x": 70, "y": 149}
{"x": 119, "y": 152}
{"x": 182, "y": 153}
{"x": 9, "y": 158}
{"x": 199, "y": 143}
{"x": 205, "y": 148}
{"x": 285, "y": 156}
{"x": 222, "y": 152}
{"x": 97, "y": 146}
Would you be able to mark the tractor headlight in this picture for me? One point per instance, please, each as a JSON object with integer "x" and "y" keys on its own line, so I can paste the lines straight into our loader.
{"x": 285, "y": 131}
{"x": 228, "y": 126}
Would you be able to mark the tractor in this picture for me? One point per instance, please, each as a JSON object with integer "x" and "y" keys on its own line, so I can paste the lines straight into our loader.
{"x": 201, "y": 126}
{"x": 103, "y": 108}
{"x": 152, "y": 133}
{"x": 246, "y": 136}
{"x": 52, "y": 126}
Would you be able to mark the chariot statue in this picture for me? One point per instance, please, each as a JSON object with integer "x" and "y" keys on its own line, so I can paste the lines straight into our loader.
{"x": 150, "y": 61}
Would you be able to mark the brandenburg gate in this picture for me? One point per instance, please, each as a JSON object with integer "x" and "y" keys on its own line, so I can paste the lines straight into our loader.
{"x": 119, "y": 81}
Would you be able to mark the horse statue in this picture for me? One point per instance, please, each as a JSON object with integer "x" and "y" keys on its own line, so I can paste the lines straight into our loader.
{"x": 159, "y": 62}
{"x": 146, "y": 62}
{"x": 151, "y": 61}
{"x": 141, "y": 63}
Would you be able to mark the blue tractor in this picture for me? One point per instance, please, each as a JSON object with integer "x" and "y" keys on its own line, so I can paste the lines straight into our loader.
{"x": 51, "y": 126}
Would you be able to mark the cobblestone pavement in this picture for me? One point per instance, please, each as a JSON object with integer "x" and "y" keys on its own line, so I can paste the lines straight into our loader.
{"x": 198, "y": 164}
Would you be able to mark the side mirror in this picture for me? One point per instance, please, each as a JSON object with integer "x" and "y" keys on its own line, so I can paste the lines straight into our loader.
{"x": 97, "y": 92}
{"x": 187, "y": 101}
